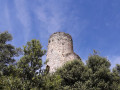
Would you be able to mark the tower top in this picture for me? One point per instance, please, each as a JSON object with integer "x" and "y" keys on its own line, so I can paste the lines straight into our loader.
{"x": 60, "y": 34}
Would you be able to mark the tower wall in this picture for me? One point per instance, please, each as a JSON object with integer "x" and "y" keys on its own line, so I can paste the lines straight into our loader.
{"x": 60, "y": 50}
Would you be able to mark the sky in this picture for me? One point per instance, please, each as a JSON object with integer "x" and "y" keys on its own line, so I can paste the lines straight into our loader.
{"x": 93, "y": 24}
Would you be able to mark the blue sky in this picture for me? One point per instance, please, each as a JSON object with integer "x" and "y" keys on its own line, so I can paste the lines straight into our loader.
{"x": 93, "y": 24}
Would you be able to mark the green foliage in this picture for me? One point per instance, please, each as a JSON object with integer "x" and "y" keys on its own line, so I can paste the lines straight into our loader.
{"x": 118, "y": 69}
{"x": 5, "y": 37}
{"x": 10, "y": 83}
{"x": 51, "y": 82}
{"x": 11, "y": 70}
{"x": 31, "y": 63}
{"x": 74, "y": 74}
{"x": 7, "y": 51}
{"x": 115, "y": 77}
{"x": 95, "y": 62}
{"x": 32, "y": 59}
{"x": 101, "y": 74}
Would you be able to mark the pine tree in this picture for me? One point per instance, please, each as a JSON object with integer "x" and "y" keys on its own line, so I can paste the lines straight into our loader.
{"x": 115, "y": 77}
{"x": 31, "y": 63}
{"x": 101, "y": 75}
{"x": 7, "y": 51}
{"x": 74, "y": 75}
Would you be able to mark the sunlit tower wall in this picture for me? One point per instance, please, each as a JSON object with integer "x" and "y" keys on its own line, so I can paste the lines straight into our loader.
{"x": 60, "y": 50}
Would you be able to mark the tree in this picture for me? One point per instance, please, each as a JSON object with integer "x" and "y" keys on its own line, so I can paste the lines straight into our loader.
{"x": 95, "y": 75}
{"x": 118, "y": 69}
{"x": 101, "y": 75}
{"x": 7, "y": 51}
{"x": 30, "y": 64}
{"x": 74, "y": 75}
{"x": 11, "y": 83}
{"x": 115, "y": 77}
{"x": 7, "y": 61}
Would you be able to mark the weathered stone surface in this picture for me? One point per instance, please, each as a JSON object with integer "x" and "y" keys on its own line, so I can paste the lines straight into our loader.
{"x": 60, "y": 50}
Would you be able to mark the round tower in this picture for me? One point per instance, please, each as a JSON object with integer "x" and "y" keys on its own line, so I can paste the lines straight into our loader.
{"x": 60, "y": 50}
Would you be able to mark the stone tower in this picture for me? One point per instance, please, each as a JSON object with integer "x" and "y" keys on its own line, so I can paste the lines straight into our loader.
{"x": 60, "y": 50}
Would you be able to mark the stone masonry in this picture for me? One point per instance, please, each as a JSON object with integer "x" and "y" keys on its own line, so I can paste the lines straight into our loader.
{"x": 60, "y": 50}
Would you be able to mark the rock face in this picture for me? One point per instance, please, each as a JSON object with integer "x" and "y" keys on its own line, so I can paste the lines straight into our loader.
{"x": 60, "y": 50}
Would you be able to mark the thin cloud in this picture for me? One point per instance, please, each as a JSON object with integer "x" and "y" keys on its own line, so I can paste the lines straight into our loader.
{"x": 5, "y": 17}
{"x": 49, "y": 17}
{"x": 24, "y": 17}
{"x": 8, "y": 21}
